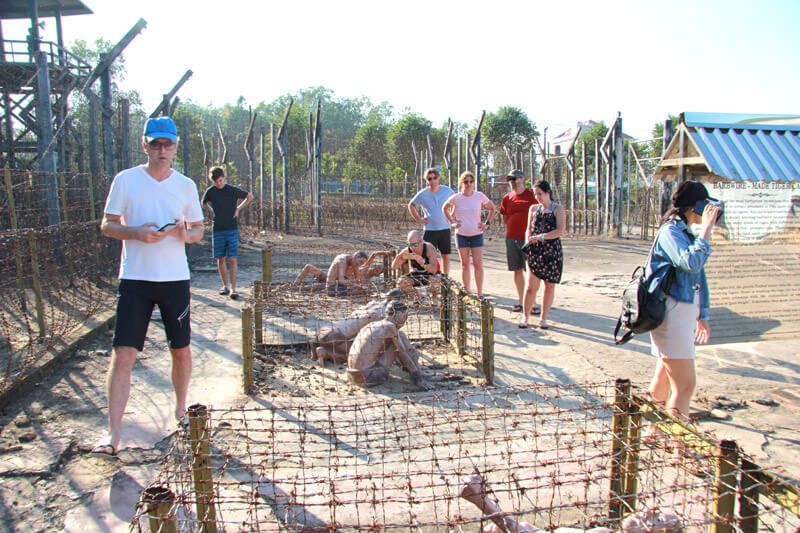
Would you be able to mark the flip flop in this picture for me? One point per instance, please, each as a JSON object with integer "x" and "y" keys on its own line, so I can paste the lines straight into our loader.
{"x": 536, "y": 310}
{"x": 522, "y": 325}
{"x": 224, "y": 291}
{"x": 106, "y": 451}
{"x": 516, "y": 309}
{"x": 543, "y": 325}
{"x": 234, "y": 295}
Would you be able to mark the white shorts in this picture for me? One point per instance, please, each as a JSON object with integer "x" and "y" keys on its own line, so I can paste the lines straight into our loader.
{"x": 674, "y": 338}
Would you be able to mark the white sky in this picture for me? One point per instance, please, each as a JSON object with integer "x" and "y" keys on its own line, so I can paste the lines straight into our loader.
{"x": 561, "y": 62}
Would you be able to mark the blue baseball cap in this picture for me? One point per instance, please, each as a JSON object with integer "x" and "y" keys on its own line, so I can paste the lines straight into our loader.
{"x": 160, "y": 128}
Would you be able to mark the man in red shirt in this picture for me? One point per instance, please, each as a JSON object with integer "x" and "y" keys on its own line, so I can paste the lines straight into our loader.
{"x": 514, "y": 208}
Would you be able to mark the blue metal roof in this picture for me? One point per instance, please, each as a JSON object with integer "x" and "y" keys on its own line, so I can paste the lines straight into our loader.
{"x": 749, "y": 152}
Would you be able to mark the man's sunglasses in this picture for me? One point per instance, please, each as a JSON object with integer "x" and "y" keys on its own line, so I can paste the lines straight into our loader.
{"x": 431, "y": 178}
{"x": 414, "y": 243}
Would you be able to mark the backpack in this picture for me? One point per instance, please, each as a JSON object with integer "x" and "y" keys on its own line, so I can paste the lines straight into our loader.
{"x": 642, "y": 310}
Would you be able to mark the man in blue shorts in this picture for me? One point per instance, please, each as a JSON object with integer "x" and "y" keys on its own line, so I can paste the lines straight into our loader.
{"x": 225, "y": 202}
{"x": 154, "y": 210}
{"x": 430, "y": 200}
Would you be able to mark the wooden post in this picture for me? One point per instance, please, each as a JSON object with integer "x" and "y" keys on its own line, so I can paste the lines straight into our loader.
{"x": 444, "y": 308}
{"x": 631, "y": 482}
{"x": 258, "y": 311}
{"x": 266, "y": 269}
{"x": 571, "y": 169}
{"x": 387, "y": 266}
{"x": 585, "y": 190}
{"x": 17, "y": 253}
{"x": 62, "y": 195}
{"x": 461, "y": 324}
{"x": 92, "y": 215}
{"x": 157, "y": 502}
{"x": 725, "y": 488}
{"x": 272, "y": 200}
{"x": 598, "y": 219}
{"x": 749, "y": 482}
{"x": 487, "y": 338}
{"x": 261, "y": 181}
{"x": 37, "y": 283}
{"x": 201, "y": 467}
{"x": 247, "y": 349}
{"x": 619, "y": 431}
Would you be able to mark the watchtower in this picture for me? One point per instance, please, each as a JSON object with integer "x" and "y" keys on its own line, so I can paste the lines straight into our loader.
{"x": 36, "y": 79}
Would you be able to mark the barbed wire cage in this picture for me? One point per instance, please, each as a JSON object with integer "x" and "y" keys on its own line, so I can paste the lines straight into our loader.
{"x": 550, "y": 455}
{"x": 455, "y": 336}
{"x": 52, "y": 277}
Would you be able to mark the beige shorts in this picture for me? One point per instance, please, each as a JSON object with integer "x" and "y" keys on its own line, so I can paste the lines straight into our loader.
{"x": 674, "y": 338}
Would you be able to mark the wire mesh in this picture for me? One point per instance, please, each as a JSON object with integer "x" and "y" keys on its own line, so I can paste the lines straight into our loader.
{"x": 541, "y": 453}
{"x": 52, "y": 277}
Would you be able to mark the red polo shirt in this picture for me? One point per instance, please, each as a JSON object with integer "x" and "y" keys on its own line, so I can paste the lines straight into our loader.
{"x": 515, "y": 207}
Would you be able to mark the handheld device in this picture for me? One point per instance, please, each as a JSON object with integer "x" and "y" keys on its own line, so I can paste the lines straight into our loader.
{"x": 701, "y": 205}
{"x": 166, "y": 226}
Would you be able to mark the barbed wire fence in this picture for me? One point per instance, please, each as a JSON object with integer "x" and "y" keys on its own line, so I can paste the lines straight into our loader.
{"x": 52, "y": 278}
{"x": 549, "y": 455}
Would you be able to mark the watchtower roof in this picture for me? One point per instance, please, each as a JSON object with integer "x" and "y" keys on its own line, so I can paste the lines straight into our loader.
{"x": 18, "y": 9}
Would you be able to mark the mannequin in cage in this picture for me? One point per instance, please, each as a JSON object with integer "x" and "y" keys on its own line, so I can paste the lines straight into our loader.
{"x": 359, "y": 276}
{"x": 377, "y": 346}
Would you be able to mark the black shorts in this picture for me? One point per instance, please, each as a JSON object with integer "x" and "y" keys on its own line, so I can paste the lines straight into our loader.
{"x": 420, "y": 279}
{"x": 135, "y": 302}
{"x": 440, "y": 238}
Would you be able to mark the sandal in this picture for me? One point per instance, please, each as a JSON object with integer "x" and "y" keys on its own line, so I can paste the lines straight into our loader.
{"x": 224, "y": 291}
{"x": 234, "y": 295}
{"x": 105, "y": 451}
{"x": 543, "y": 324}
{"x": 516, "y": 309}
{"x": 522, "y": 324}
{"x": 536, "y": 309}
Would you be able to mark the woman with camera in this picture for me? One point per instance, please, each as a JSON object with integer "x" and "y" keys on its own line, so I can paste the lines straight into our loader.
{"x": 677, "y": 267}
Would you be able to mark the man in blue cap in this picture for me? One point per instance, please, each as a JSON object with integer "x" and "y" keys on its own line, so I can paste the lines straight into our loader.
{"x": 154, "y": 210}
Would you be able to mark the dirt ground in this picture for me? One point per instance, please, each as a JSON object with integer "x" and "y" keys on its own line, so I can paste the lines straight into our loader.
{"x": 50, "y": 483}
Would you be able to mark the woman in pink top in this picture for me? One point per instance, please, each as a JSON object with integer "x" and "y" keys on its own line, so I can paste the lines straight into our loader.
{"x": 463, "y": 211}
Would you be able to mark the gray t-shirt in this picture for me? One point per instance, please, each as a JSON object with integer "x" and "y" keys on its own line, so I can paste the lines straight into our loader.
{"x": 432, "y": 206}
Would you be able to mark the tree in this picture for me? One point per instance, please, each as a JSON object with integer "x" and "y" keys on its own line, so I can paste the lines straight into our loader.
{"x": 411, "y": 126}
{"x": 508, "y": 129}
{"x": 368, "y": 157}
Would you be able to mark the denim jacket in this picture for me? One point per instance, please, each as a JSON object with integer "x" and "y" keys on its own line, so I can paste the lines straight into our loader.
{"x": 677, "y": 246}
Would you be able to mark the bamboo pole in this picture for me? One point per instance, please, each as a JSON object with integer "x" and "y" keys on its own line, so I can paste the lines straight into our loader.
{"x": 157, "y": 502}
{"x": 749, "y": 482}
{"x": 37, "y": 283}
{"x": 487, "y": 338}
{"x": 247, "y": 349}
{"x": 725, "y": 488}
{"x": 23, "y": 303}
{"x": 201, "y": 467}
{"x": 444, "y": 309}
{"x": 631, "y": 482}
{"x": 461, "y": 325}
{"x": 258, "y": 312}
{"x": 619, "y": 429}
{"x": 266, "y": 268}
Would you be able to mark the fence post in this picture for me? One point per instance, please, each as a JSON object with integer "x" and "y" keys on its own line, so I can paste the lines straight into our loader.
{"x": 487, "y": 338}
{"x": 157, "y": 502}
{"x": 266, "y": 268}
{"x": 461, "y": 324}
{"x": 258, "y": 312}
{"x": 444, "y": 309}
{"x": 37, "y": 283}
{"x": 92, "y": 217}
{"x": 201, "y": 467}
{"x": 387, "y": 265}
{"x": 247, "y": 349}
{"x": 749, "y": 482}
{"x": 619, "y": 431}
{"x": 633, "y": 444}
{"x": 725, "y": 487}
{"x": 17, "y": 254}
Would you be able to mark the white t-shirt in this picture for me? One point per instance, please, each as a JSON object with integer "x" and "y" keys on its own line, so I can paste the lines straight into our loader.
{"x": 139, "y": 198}
{"x": 468, "y": 212}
